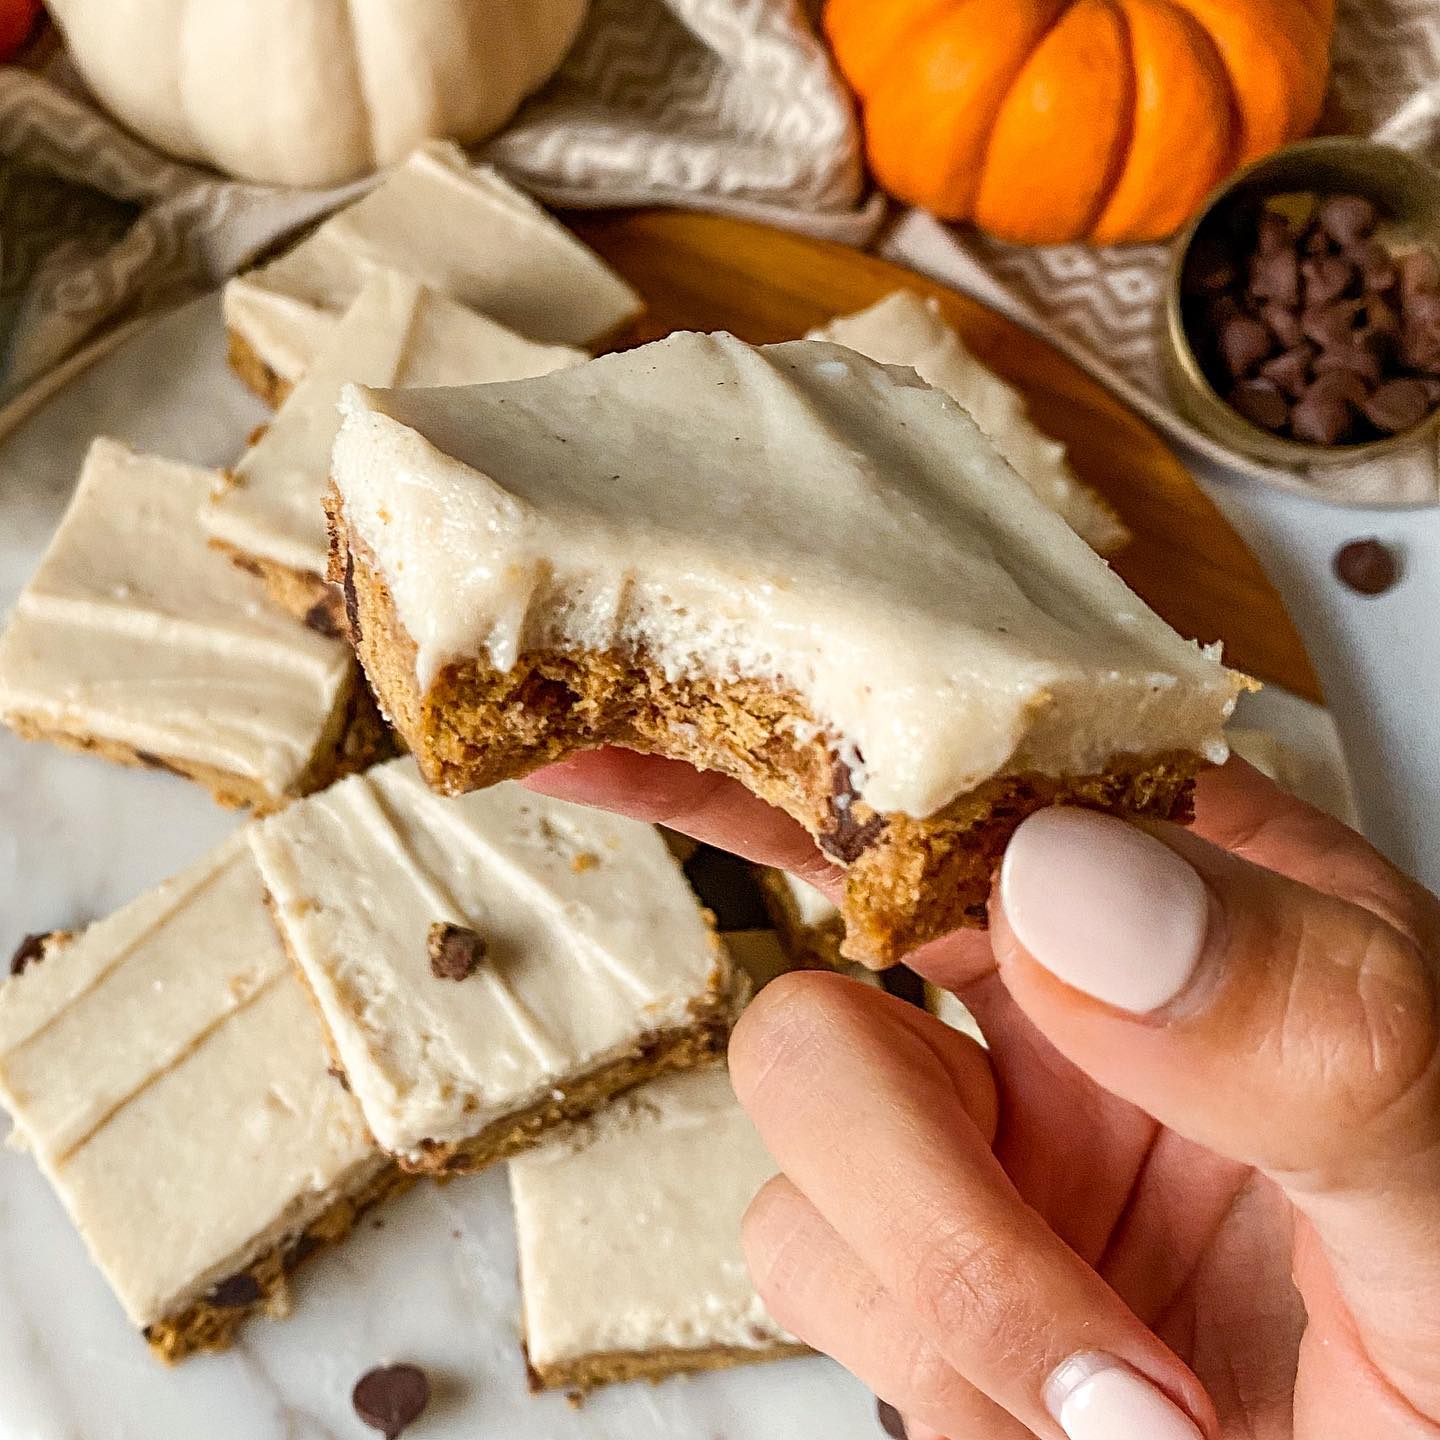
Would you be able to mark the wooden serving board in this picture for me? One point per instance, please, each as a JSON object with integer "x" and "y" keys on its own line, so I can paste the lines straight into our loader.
{"x": 705, "y": 272}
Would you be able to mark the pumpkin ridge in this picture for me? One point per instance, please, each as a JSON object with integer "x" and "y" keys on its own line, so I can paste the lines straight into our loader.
{"x": 1125, "y": 140}
{"x": 1237, "y": 120}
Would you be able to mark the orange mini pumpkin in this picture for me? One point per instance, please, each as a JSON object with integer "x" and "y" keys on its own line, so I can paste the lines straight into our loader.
{"x": 1052, "y": 120}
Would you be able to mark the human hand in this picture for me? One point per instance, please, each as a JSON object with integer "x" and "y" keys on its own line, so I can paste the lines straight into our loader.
{"x": 1194, "y": 1186}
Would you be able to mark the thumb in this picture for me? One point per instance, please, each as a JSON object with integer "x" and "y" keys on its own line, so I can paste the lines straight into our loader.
{"x": 1292, "y": 1030}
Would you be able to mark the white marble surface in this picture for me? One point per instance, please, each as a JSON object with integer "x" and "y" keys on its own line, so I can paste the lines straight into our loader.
{"x": 435, "y": 1285}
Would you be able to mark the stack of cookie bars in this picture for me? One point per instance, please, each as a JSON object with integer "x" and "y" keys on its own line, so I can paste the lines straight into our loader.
{"x": 371, "y": 982}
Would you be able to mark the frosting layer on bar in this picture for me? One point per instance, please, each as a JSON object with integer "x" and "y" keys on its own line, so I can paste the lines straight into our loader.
{"x": 591, "y": 942}
{"x": 903, "y": 329}
{"x": 795, "y": 514}
{"x": 629, "y": 1228}
{"x": 398, "y": 332}
{"x": 135, "y": 630}
{"x": 461, "y": 229}
{"x": 168, "y": 1074}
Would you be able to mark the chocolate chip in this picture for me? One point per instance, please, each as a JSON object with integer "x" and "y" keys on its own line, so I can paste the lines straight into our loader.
{"x": 1290, "y": 370}
{"x": 1343, "y": 385}
{"x": 1330, "y": 324}
{"x": 890, "y": 1421}
{"x": 391, "y": 1397}
{"x": 1374, "y": 264}
{"x": 1244, "y": 343}
{"x": 1321, "y": 419}
{"x": 1283, "y": 323}
{"x": 324, "y": 616}
{"x": 1327, "y": 278}
{"x": 1261, "y": 403}
{"x": 339, "y": 1076}
{"x": 1397, "y": 405}
{"x": 1419, "y": 273}
{"x": 1366, "y": 566}
{"x": 352, "y": 605}
{"x": 236, "y": 1292}
{"x": 1272, "y": 232}
{"x": 1357, "y": 359}
{"x": 1275, "y": 275}
{"x": 455, "y": 952}
{"x": 849, "y": 835}
{"x": 30, "y": 951}
{"x": 1315, "y": 240}
{"x": 1347, "y": 218}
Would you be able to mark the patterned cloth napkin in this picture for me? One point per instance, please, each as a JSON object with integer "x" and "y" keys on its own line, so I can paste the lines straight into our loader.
{"x": 727, "y": 105}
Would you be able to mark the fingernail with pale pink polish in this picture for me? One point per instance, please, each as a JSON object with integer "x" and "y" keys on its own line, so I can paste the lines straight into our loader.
{"x": 1104, "y": 907}
{"x": 1093, "y": 1396}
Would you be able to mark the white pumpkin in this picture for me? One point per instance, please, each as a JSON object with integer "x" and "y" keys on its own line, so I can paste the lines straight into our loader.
{"x": 313, "y": 92}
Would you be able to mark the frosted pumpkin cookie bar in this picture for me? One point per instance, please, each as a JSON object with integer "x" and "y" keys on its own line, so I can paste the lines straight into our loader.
{"x": 461, "y": 229}
{"x": 138, "y": 642}
{"x": 903, "y": 329}
{"x": 489, "y": 966}
{"x": 629, "y": 1239}
{"x": 168, "y": 1074}
{"x": 270, "y": 518}
{"x": 789, "y": 564}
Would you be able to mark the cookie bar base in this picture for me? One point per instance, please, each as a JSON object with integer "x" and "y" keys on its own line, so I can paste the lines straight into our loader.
{"x": 808, "y": 946}
{"x": 355, "y": 738}
{"x": 586, "y": 1372}
{"x": 908, "y": 881}
{"x": 209, "y": 1325}
{"x": 575, "y": 1099}
{"x": 309, "y": 597}
{"x": 256, "y": 375}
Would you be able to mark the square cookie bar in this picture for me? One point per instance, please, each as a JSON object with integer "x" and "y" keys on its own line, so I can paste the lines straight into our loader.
{"x": 137, "y": 641}
{"x": 489, "y": 966}
{"x": 270, "y": 518}
{"x": 168, "y": 1074}
{"x": 903, "y": 329}
{"x": 789, "y": 564}
{"x": 460, "y": 228}
{"x": 629, "y": 1236}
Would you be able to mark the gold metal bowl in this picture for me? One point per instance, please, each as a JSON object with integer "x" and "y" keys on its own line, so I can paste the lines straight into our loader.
{"x": 1407, "y": 193}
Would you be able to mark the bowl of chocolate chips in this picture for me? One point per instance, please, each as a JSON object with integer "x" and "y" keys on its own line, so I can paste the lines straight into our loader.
{"x": 1302, "y": 322}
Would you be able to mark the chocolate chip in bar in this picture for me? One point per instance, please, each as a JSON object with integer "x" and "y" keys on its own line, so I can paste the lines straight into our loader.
{"x": 1244, "y": 343}
{"x": 850, "y": 834}
{"x": 1397, "y": 405}
{"x": 455, "y": 951}
{"x": 30, "y": 951}
{"x": 1261, "y": 402}
{"x": 236, "y": 1292}
{"x": 1367, "y": 566}
{"x": 391, "y": 1398}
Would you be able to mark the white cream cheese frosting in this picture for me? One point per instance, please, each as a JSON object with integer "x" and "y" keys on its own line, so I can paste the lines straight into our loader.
{"x": 794, "y": 513}
{"x": 398, "y": 332}
{"x": 135, "y": 630}
{"x": 168, "y": 1074}
{"x": 903, "y": 329}
{"x": 460, "y": 228}
{"x": 629, "y": 1226}
{"x": 593, "y": 943}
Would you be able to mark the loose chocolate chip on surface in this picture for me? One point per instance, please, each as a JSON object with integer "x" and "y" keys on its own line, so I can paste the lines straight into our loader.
{"x": 455, "y": 952}
{"x": 890, "y": 1421}
{"x": 1366, "y": 566}
{"x": 1347, "y": 218}
{"x": 1244, "y": 343}
{"x": 391, "y": 1397}
{"x": 1261, "y": 403}
{"x": 235, "y": 1292}
{"x": 30, "y": 951}
{"x": 1397, "y": 405}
